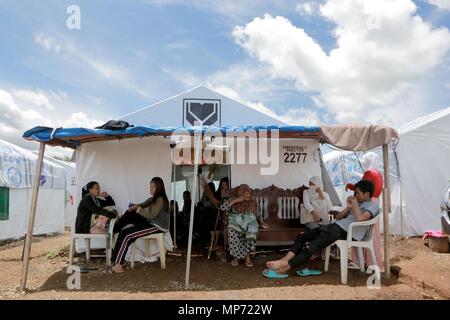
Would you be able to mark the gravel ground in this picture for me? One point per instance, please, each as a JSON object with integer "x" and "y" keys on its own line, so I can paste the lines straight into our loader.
{"x": 421, "y": 273}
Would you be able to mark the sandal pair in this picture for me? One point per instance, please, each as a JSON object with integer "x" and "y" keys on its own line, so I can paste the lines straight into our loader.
{"x": 270, "y": 273}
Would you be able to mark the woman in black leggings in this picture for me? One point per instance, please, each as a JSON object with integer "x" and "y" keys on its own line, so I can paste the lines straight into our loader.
{"x": 152, "y": 217}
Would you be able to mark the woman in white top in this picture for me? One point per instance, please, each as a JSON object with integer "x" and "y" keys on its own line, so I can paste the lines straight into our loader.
{"x": 317, "y": 204}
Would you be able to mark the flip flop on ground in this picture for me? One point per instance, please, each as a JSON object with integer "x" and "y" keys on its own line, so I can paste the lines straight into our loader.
{"x": 307, "y": 272}
{"x": 270, "y": 273}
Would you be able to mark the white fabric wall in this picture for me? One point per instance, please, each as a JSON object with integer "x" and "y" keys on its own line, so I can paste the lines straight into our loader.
{"x": 424, "y": 156}
{"x": 49, "y": 213}
{"x": 71, "y": 190}
{"x": 124, "y": 168}
{"x": 290, "y": 175}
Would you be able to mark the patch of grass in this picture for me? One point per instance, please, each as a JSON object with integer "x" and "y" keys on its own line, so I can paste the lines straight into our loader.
{"x": 57, "y": 252}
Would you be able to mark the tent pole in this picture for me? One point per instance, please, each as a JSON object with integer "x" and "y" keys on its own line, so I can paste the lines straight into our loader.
{"x": 386, "y": 209}
{"x": 191, "y": 218}
{"x": 174, "y": 207}
{"x": 31, "y": 216}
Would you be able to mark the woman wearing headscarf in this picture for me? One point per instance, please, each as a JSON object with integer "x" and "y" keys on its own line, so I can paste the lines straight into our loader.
{"x": 317, "y": 204}
{"x": 370, "y": 161}
{"x": 243, "y": 225}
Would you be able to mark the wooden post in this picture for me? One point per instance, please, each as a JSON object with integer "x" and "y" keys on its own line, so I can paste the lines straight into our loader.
{"x": 386, "y": 211}
{"x": 31, "y": 216}
{"x": 191, "y": 218}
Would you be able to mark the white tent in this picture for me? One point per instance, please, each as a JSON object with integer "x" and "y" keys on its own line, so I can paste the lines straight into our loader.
{"x": 419, "y": 173}
{"x": 124, "y": 167}
{"x": 424, "y": 157}
{"x": 199, "y": 104}
{"x": 145, "y": 150}
{"x": 17, "y": 170}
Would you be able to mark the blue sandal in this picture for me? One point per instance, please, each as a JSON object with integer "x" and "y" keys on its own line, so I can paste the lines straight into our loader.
{"x": 307, "y": 272}
{"x": 270, "y": 273}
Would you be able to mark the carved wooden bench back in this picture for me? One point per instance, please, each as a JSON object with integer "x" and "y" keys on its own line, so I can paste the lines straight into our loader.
{"x": 279, "y": 207}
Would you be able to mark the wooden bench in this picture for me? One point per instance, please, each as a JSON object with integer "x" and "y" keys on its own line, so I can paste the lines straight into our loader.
{"x": 281, "y": 211}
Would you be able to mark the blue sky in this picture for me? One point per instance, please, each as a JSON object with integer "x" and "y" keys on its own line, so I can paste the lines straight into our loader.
{"x": 129, "y": 54}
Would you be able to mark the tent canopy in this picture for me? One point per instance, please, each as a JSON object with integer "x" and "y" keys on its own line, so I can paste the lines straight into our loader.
{"x": 357, "y": 137}
{"x": 351, "y": 137}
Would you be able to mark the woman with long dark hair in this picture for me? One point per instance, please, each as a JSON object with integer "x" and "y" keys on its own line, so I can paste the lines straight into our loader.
{"x": 222, "y": 194}
{"x": 155, "y": 219}
{"x": 92, "y": 204}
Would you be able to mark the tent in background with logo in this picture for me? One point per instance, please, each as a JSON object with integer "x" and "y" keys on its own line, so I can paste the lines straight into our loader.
{"x": 17, "y": 170}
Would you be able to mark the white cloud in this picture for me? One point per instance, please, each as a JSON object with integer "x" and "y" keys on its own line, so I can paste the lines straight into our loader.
{"x": 17, "y": 116}
{"x": 47, "y": 42}
{"x": 81, "y": 119}
{"x": 250, "y": 84}
{"x": 384, "y": 50}
{"x": 307, "y": 8}
{"x": 441, "y": 4}
{"x": 33, "y": 98}
{"x": 301, "y": 116}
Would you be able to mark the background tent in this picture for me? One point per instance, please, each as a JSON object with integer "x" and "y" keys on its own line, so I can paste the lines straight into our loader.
{"x": 419, "y": 173}
{"x": 17, "y": 170}
{"x": 424, "y": 157}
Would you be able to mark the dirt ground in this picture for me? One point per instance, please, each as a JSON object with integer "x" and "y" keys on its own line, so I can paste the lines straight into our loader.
{"x": 418, "y": 274}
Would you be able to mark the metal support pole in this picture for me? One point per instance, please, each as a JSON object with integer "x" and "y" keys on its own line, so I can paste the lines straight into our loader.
{"x": 386, "y": 211}
{"x": 31, "y": 216}
{"x": 174, "y": 207}
{"x": 191, "y": 218}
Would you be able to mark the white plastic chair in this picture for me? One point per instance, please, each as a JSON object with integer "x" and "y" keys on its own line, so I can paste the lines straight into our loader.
{"x": 162, "y": 249}
{"x": 87, "y": 238}
{"x": 344, "y": 245}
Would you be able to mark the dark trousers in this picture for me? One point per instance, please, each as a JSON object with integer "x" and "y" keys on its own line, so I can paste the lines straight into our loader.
{"x": 317, "y": 239}
{"x": 127, "y": 237}
{"x": 129, "y": 217}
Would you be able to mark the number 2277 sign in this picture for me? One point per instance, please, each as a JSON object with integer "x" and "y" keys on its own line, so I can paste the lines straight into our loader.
{"x": 294, "y": 154}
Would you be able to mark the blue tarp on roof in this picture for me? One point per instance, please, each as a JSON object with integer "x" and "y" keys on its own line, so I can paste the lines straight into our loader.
{"x": 73, "y": 137}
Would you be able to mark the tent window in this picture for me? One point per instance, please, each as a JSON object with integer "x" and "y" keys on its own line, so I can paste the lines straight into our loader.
{"x": 4, "y": 203}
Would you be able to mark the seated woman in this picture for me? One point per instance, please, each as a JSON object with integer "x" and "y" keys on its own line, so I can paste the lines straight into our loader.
{"x": 242, "y": 225}
{"x": 156, "y": 219}
{"x": 139, "y": 213}
{"x": 91, "y": 204}
{"x": 317, "y": 204}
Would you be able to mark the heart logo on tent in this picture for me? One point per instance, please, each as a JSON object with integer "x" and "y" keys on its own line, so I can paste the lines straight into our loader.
{"x": 205, "y": 112}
